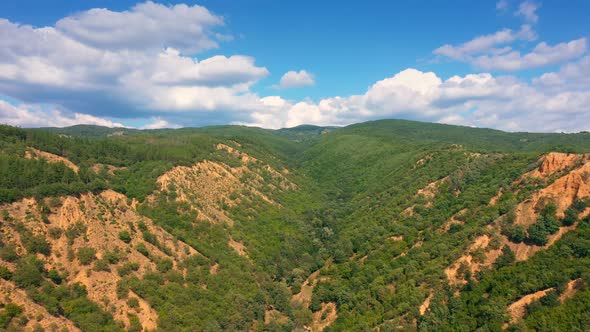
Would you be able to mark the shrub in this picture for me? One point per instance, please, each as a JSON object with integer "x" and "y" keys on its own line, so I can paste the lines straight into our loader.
{"x": 127, "y": 268}
{"x": 54, "y": 276}
{"x": 142, "y": 249}
{"x": 125, "y": 236}
{"x": 5, "y": 273}
{"x": 37, "y": 244}
{"x": 537, "y": 234}
{"x": 86, "y": 255}
{"x": 164, "y": 265}
{"x": 29, "y": 272}
{"x": 517, "y": 234}
{"x": 133, "y": 302}
{"x": 8, "y": 253}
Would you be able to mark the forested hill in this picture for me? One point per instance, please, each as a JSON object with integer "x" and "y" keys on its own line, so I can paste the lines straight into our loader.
{"x": 379, "y": 226}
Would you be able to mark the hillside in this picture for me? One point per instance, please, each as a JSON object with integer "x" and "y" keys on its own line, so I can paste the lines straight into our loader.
{"x": 379, "y": 226}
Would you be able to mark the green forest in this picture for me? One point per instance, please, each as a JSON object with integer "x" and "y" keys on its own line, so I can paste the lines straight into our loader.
{"x": 364, "y": 208}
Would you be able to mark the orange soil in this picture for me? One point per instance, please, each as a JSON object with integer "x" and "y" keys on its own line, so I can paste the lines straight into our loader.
{"x": 37, "y": 314}
{"x": 32, "y": 153}
{"x": 426, "y": 304}
{"x": 210, "y": 186}
{"x": 319, "y": 324}
{"x": 517, "y": 309}
{"x": 105, "y": 215}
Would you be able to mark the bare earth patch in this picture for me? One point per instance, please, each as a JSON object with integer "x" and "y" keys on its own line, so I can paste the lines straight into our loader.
{"x": 517, "y": 309}
{"x": 426, "y": 304}
{"x": 32, "y": 153}
{"x": 211, "y": 187}
{"x": 325, "y": 317}
{"x": 239, "y": 247}
{"x": 304, "y": 296}
{"x": 99, "y": 219}
{"x": 38, "y": 314}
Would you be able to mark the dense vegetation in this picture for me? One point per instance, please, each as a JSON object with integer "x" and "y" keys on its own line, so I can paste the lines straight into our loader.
{"x": 347, "y": 218}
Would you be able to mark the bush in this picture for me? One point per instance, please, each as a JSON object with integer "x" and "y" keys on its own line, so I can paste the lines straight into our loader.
{"x": 37, "y": 245}
{"x": 54, "y": 276}
{"x": 142, "y": 249}
{"x": 164, "y": 265}
{"x": 29, "y": 272}
{"x": 127, "y": 268}
{"x": 113, "y": 257}
{"x": 125, "y": 236}
{"x": 537, "y": 234}
{"x": 8, "y": 253}
{"x": 5, "y": 273}
{"x": 101, "y": 265}
{"x": 517, "y": 234}
{"x": 133, "y": 302}
{"x": 10, "y": 311}
{"x": 55, "y": 232}
{"x": 86, "y": 255}
{"x": 506, "y": 258}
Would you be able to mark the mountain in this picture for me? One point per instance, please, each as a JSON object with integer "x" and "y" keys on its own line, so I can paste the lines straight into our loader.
{"x": 381, "y": 226}
{"x": 90, "y": 131}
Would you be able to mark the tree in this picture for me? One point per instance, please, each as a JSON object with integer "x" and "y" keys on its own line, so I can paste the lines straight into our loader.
{"x": 537, "y": 234}
{"x": 506, "y": 258}
{"x": 29, "y": 272}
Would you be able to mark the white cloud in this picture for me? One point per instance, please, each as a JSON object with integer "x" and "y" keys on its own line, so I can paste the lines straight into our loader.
{"x": 296, "y": 79}
{"x": 83, "y": 71}
{"x": 486, "y": 44}
{"x": 34, "y": 116}
{"x": 571, "y": 77}
{"x": 481, "y": 100}
{"x": 92, "y": 69}
{"x": 147, "y": 25}
{"x": 542, "y": 55}
{"x": 528, "y": 10}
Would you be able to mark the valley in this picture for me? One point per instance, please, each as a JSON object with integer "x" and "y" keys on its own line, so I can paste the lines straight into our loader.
{"x": 387, "y": 225}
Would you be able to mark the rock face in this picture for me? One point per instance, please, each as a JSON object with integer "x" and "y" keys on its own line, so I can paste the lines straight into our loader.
{"x": 562, "y": 192}
{"x": 555, "y": 162}
{"x": 572, "y": 184}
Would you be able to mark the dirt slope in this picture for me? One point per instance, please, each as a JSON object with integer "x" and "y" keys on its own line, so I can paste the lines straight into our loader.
{"x": 97, "y": 222}
{"x": 210, "y": 186}
{"x": 32, "y": 153}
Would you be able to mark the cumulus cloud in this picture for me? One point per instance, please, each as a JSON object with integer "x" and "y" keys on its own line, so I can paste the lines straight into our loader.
{"x": 572, "y": 76}
{"x": 542, "y": 55}
{"x": 486, "y": 44}
{"x": 528, "y": 11}
{"x": 34, "y": 116}
{"x": 481, "y": 100}
{"x": 138, "y": 64}
{"x": 80, "y": 64}
{"x": 296, "y": 79}
{"x": 146, "y": 26}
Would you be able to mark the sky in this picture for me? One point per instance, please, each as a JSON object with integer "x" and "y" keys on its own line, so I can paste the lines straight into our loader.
{"x": 508, "y": 64}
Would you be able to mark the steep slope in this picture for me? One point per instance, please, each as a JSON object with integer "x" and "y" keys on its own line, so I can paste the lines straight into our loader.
{"x": 386, "y": 225}
{"x": 95, "y": 240}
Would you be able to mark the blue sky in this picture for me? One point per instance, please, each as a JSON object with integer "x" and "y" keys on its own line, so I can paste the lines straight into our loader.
{"x": 526, "y": 67}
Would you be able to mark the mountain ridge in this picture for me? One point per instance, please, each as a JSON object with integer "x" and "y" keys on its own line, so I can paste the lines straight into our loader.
{"x": 381, "y": 225}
